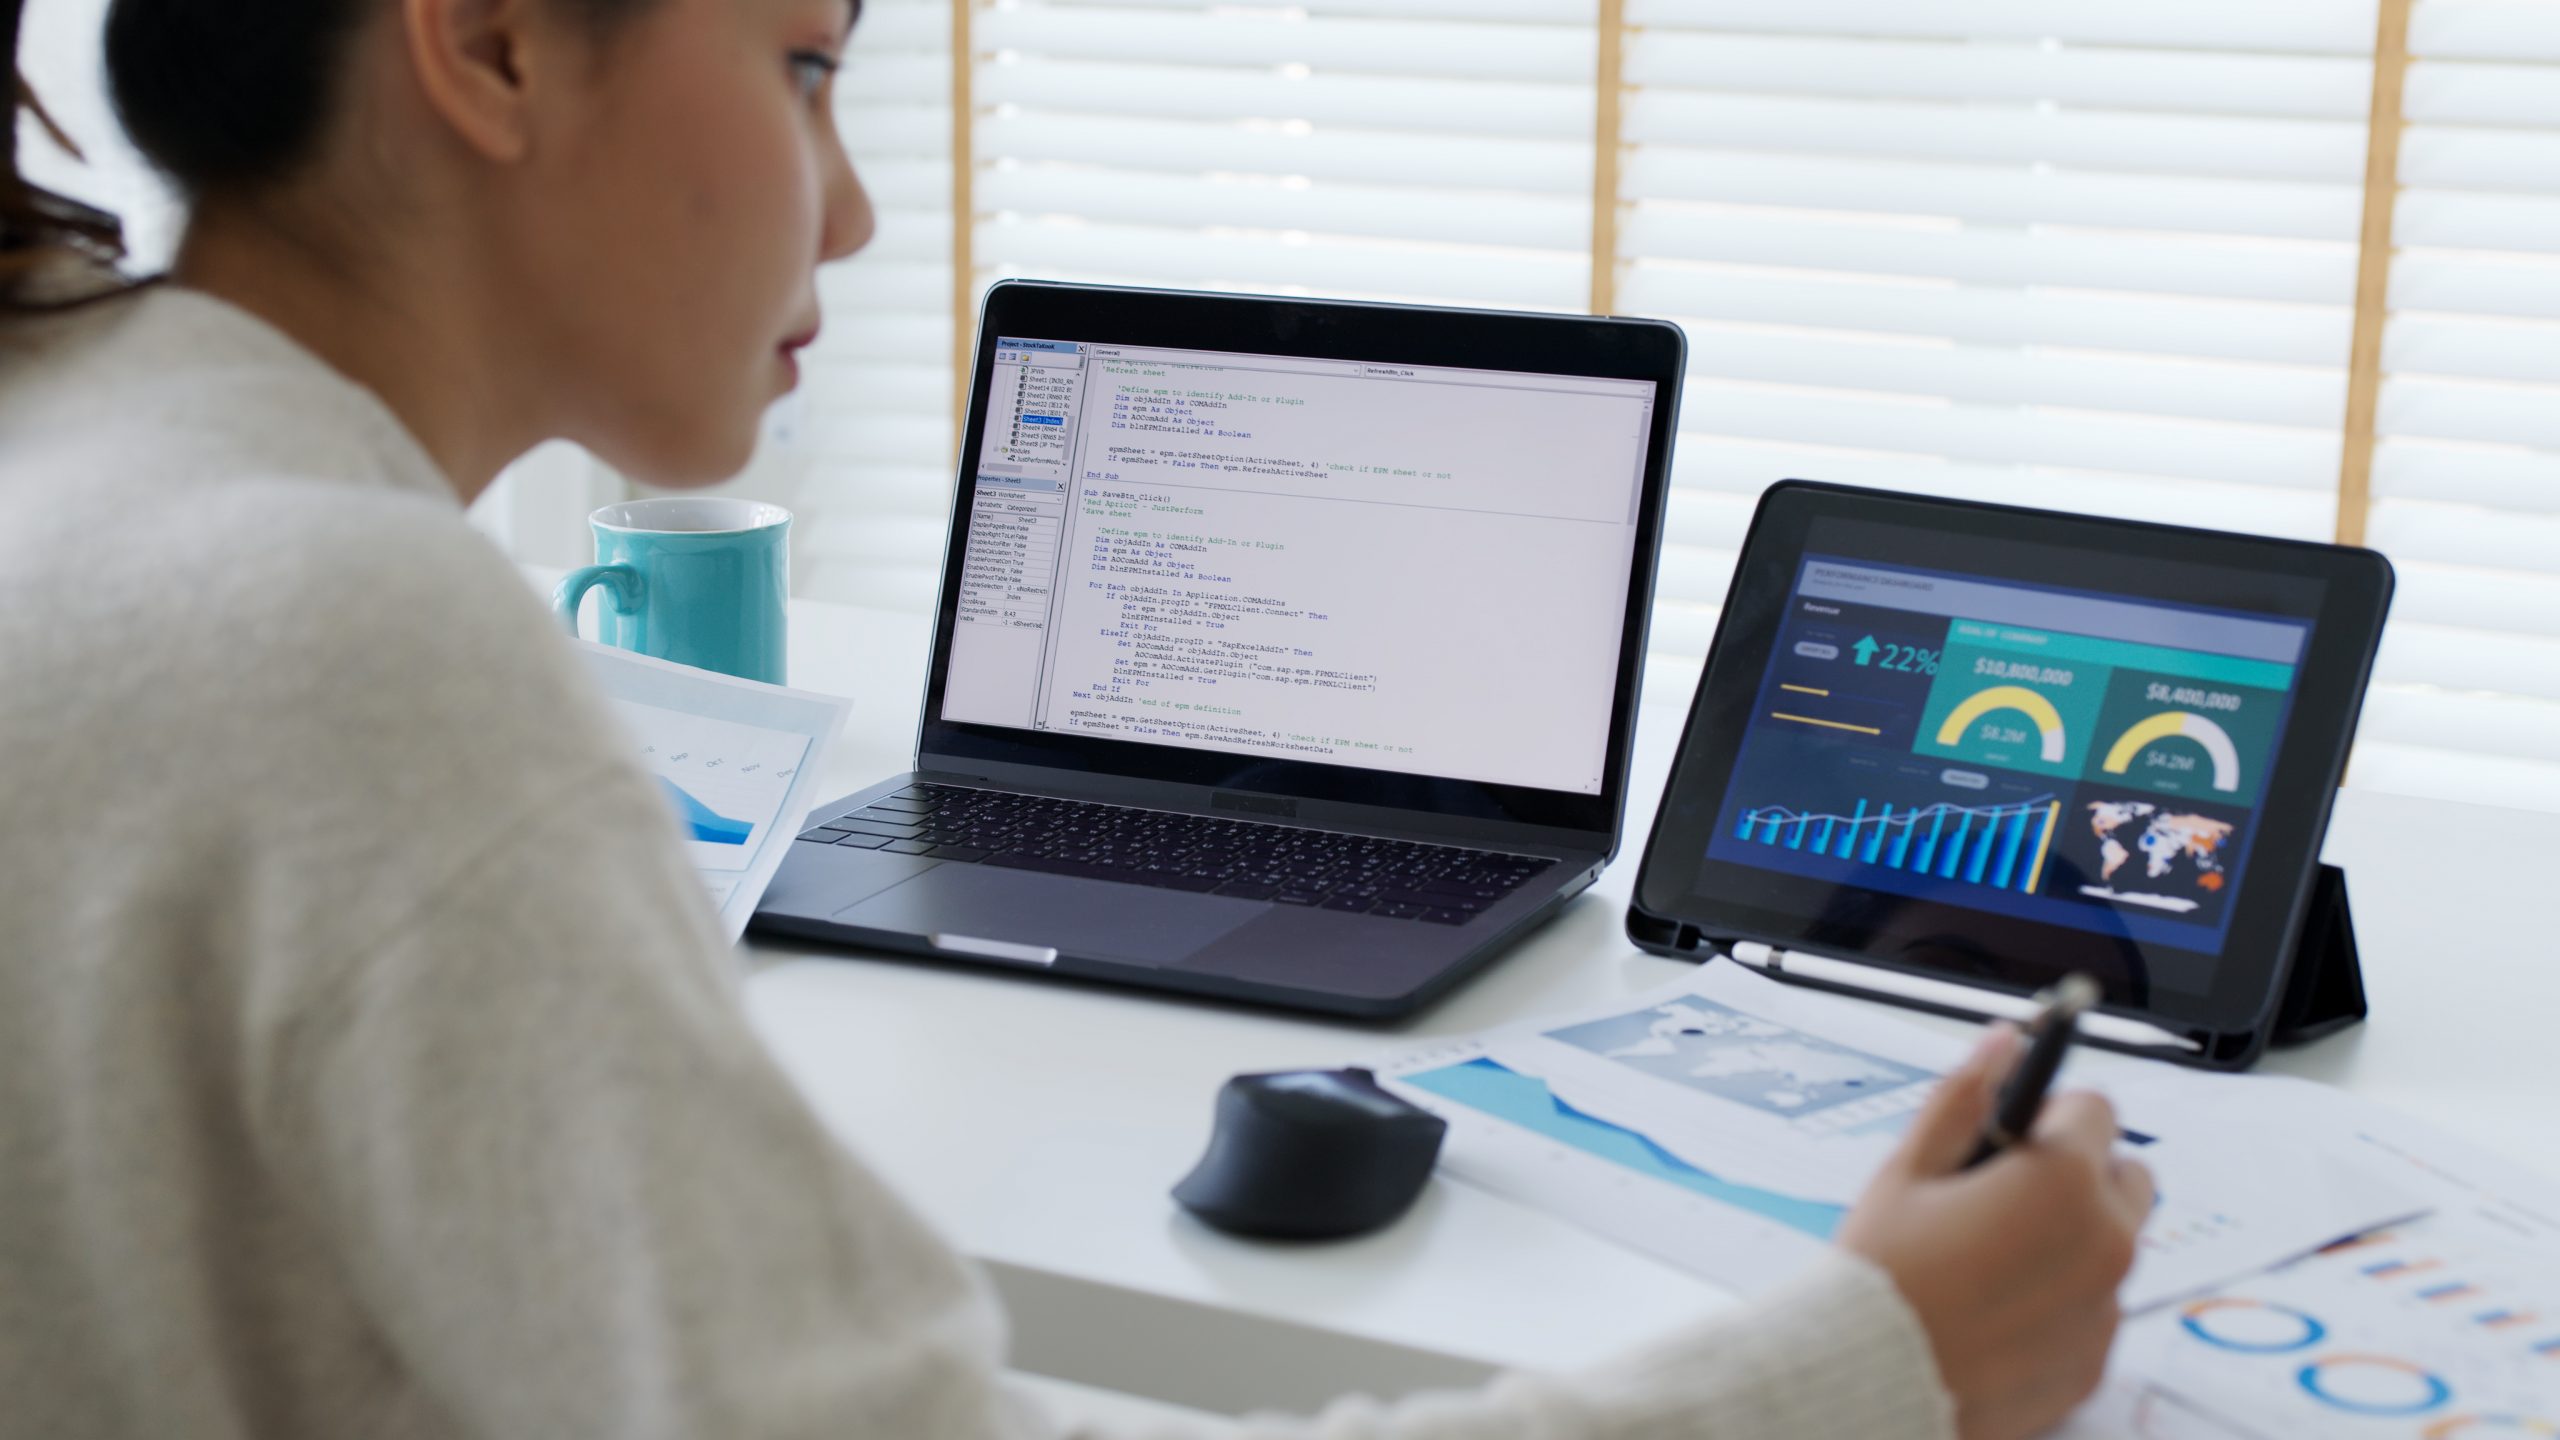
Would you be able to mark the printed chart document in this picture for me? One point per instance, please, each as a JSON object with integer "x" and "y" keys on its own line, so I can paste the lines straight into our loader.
{"x": 740, "y": 763}
{"x": 2446, "y": 1328}
{"x": 1726, "y": 1126}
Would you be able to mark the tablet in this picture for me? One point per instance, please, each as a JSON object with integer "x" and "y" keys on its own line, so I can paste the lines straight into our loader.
{"x": 1996, "y": 745}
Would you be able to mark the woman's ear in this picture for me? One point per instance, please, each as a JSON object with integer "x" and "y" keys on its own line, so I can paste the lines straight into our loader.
{"x": 476, "y": 62}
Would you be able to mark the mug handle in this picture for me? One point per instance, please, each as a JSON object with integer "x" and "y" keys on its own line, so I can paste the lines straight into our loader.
{"x": 622, "y": 592}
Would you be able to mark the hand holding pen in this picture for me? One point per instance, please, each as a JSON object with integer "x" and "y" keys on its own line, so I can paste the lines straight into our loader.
{"x": 2049, "y": 1038}
{"x": 2012, "y": 1265}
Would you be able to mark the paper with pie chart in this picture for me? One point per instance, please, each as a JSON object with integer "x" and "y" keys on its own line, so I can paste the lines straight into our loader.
{"x": 1726, "y": 1125}
{"x": 2444, "y": 1328}
{"x": 739, "y": 763}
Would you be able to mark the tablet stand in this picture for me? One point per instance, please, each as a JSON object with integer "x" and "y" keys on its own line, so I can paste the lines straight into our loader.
{"x": 2326, "y": 991}
{"x": 2323, "y": 993}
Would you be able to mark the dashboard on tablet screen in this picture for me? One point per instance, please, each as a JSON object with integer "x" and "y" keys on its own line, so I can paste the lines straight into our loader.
{"x": 2075, "y": 757}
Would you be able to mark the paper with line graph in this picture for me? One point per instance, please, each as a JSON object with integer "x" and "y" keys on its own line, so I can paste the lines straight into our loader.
{"x": 1727, "y": 1124}
{"x": 739, "y": 762}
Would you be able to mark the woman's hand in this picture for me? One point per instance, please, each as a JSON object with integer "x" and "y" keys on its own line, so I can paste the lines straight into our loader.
{"x": 2013, "y": 1266}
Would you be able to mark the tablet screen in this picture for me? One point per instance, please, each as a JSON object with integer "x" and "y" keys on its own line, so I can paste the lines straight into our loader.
{"x": 2077, "y": 757}
{"x": 1998, "y": 745}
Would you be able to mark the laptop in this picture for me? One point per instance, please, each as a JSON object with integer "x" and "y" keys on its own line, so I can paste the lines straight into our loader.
{"x": 1287, "y": 650}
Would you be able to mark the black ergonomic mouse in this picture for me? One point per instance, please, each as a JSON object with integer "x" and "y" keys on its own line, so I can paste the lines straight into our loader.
{"x": 1311, "y": 1155}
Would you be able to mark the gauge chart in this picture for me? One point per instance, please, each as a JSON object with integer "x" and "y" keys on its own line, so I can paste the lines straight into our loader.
{"x": 2179, "y": 724}
{"x": 2001, "y": 703}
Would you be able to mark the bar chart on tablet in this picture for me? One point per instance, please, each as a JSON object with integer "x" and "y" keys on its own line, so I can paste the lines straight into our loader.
{"x": 2003, "y": 846}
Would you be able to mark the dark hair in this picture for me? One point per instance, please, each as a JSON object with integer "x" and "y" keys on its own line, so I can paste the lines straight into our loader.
{"x": 219, "y": 94}
{"x": 216, "y": 93}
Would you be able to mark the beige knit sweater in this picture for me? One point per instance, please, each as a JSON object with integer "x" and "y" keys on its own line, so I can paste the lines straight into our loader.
{"x": 370, "y": 1065}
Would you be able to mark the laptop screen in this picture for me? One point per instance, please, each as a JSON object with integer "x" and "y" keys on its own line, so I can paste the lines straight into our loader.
{"x": 1393, "y": 567}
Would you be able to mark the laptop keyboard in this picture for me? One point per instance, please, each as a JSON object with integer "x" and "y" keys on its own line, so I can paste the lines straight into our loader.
{"x": 1251, "y": 860}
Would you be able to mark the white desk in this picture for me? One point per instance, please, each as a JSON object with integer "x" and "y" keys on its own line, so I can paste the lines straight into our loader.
{"x": 1039, "y": 1124}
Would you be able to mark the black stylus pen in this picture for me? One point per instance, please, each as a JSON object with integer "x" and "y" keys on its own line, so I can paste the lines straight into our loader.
{"x": 2049, "y": 1035}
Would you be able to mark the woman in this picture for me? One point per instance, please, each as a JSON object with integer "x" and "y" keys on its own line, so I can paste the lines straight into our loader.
{"x": 369, "y": 1063}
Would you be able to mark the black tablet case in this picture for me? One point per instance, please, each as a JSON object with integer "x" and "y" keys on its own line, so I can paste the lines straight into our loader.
{"x": 2324, "y": 992}
{"x": 2323, "y": 988}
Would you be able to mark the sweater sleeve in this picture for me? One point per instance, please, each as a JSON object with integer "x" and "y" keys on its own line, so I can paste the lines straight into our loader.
{"x": 578, "y": 1198}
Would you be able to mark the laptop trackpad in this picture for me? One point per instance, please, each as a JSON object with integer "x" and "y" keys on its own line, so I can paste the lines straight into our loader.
{"x": 1075, "y": 917}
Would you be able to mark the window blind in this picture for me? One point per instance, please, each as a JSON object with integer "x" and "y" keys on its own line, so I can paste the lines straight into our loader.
{"x": 1399, "y": 149}
{"x": 2052, "y": 254}
{"x": 1433, "y": 149}
{"x": 2083, "y": 257}
{"x": 866, "y": 458}
{"x": 2466, "y": 477}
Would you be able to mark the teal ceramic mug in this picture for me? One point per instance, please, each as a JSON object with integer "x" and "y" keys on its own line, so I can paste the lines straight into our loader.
{"x": 699, "y": 580}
